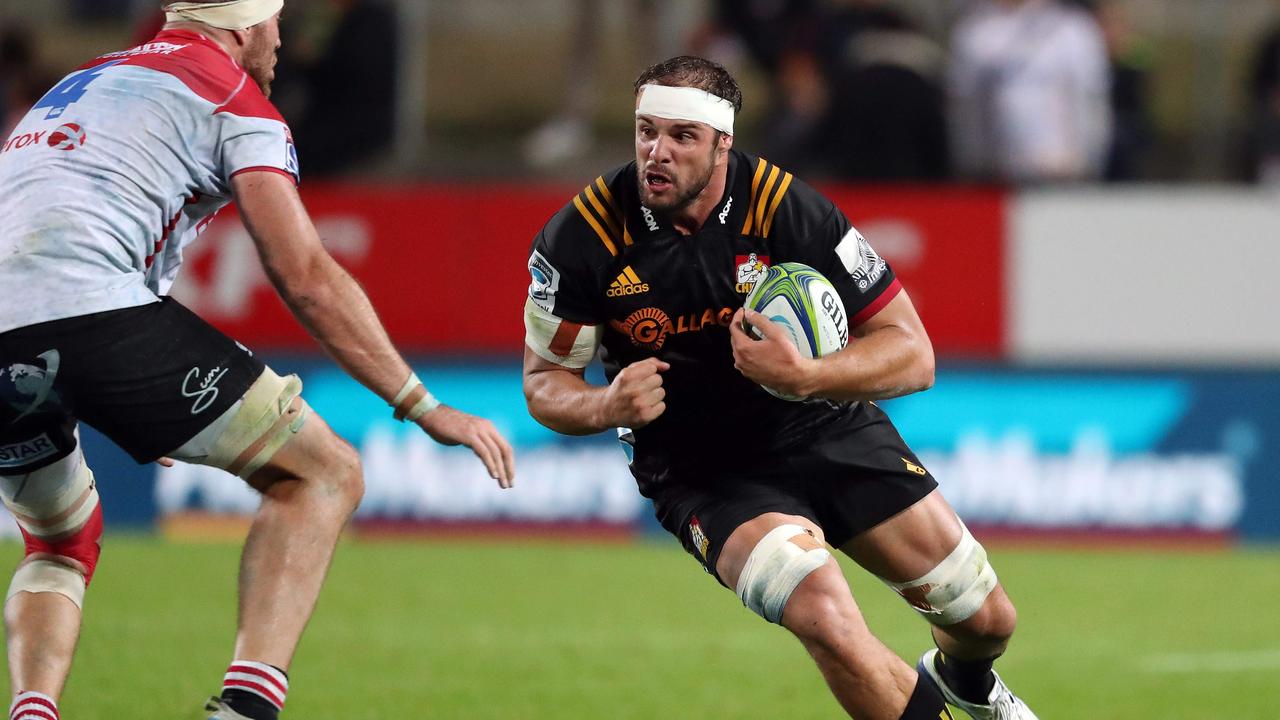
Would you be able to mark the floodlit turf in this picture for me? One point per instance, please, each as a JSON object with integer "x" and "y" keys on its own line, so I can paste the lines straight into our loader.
{"x": 546, "y": 630}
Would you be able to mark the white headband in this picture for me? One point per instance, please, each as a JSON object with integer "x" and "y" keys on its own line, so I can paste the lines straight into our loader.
{"x": 231, "y": 15}
{"x": 686, "y": 103}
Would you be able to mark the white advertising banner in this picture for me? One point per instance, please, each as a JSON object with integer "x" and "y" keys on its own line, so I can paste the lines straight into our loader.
{"x": 1145, "y": 277}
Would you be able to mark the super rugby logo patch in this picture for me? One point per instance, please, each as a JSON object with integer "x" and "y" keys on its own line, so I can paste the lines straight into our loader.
{"x": 291, "y": 163}
{"x": 544, "y": 282}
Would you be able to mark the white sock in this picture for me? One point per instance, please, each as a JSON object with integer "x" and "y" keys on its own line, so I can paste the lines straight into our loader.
{"x": 260, "y": 679}
{"x": 28, "y": 705}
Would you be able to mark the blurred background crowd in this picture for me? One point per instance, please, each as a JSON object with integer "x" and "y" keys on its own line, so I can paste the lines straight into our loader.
{"x": 1017, "y": 91}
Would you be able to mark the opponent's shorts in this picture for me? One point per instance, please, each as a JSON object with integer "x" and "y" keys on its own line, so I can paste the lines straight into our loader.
{"x": 148, "y": 377}
{"x": 850, "y": 476}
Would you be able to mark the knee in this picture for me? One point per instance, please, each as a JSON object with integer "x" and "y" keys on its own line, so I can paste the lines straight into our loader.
{"x": 331, "y": 480}
{"x": 993, "y": 624}
{"x": 61, "y": 522}
{"x": 821, "y": 613}
{"x": 343, "y": 475}
{"x": 782, "y": 560}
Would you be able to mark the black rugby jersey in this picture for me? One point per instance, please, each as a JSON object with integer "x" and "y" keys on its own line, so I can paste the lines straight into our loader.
{"x": 606, "y": 259}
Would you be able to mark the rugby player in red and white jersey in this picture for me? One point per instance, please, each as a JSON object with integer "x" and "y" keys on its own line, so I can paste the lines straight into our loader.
{"x": 102, "y": 184}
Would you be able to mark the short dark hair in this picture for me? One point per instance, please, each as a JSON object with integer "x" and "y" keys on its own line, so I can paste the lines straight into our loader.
{"x": 695, "y": 72}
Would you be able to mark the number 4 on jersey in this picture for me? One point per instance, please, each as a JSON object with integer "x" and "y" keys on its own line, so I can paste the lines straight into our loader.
{"x": 69, "y": 90}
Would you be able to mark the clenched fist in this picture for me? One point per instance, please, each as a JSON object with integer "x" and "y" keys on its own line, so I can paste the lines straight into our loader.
{"x": 635, "y": 398}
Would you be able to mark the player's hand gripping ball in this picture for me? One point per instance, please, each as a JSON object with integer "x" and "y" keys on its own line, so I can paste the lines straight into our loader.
{"x": 806, "y": 305}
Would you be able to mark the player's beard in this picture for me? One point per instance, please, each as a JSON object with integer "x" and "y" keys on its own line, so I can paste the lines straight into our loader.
{"x": 260, "y": 63}
{"x": 685, "y": 194}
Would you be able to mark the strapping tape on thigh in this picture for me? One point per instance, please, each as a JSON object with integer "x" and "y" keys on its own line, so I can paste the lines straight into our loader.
{"x": 55, "y": 500}
{"x": 45, "y": 576}
{"x": 775, "y": 569}
{"x": 58, "y": 511}
{"x": 954, "y": 590}
{"x": 271, "y": 412}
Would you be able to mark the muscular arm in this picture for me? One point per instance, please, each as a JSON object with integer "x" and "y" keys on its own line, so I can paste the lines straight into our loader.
{"x": 319, "y": 292}
{"x": 889, "y": 356}
{"x": 334, "y": 309}
{"x": 561, "y": 399}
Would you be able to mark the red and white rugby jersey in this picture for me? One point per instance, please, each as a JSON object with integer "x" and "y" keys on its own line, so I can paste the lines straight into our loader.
{"x": 120, "y": 166}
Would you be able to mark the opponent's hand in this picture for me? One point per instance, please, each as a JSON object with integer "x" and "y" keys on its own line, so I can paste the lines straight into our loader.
{"x": 635, "y": 398}
{"x": 448, "y": 426}
{"x": 773, "y": 360}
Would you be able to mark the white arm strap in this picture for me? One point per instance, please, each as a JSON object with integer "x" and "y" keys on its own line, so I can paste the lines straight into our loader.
{"x": 568, "y": 344}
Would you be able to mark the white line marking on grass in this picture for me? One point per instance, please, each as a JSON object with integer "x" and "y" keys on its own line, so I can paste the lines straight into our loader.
{"x": 1242, "y": 661}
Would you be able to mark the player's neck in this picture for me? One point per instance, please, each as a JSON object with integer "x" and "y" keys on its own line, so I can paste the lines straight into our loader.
{"x": 690, "y": 219}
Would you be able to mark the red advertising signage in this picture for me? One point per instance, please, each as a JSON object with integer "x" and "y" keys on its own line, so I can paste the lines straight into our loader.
{"x": 445, "y": 266}
{"x": 948, "y": 248}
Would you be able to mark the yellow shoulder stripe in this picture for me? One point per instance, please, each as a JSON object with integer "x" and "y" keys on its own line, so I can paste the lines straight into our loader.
{"x": 610, "y": 222}
{"x": 613, "y": 207}
{"x": 595, "y": 224}
{"x": 617, "y": 214}
{"x": 755, "y": 186}
{"x": 773, "y": 206}
{"x": 764, "y": 199}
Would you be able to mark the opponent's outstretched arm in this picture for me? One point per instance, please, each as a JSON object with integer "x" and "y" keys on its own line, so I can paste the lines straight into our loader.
{"x": 889, "y": 356}
{"x": 561, "y": 399}
{"x": 334, "y": 309}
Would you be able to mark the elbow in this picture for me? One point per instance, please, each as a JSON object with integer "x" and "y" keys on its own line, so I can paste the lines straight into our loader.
{"x": 926, "y": 369}
{"x": 535, "y": 403}
{"x": 926, "y": 379}
{"x": 536, "y": 411}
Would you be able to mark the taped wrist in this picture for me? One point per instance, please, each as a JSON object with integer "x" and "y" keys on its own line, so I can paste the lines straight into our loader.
{"x": 413, "y": 401}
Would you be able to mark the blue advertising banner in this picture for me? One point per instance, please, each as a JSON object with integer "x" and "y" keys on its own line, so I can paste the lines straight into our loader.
{"x": 1103, "y": 450}
{"x": 1078, "y": 450}
{"x": 409, "y": 478}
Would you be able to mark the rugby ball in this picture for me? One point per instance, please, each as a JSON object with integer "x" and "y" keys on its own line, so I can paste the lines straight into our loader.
{"x": 806, "y": 305}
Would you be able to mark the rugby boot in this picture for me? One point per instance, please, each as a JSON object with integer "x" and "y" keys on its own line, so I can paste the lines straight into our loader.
{"x": 1001, "y": 703}
{"x": 221, "y": 711}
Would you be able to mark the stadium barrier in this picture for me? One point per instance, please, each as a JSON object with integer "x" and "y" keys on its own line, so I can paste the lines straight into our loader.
{"x": 1113, "y": 455}
{"x": 446, "y": 265}
{"x": 1067, "y": 402}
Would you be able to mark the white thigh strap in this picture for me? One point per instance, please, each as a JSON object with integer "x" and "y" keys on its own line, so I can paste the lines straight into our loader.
{"x": 40, "y": 576}
{"x": 53, "y": 501}
{"x": 252, "y": 430}
{"x": 954, "y": 590}
{"x": 775, "y": 569}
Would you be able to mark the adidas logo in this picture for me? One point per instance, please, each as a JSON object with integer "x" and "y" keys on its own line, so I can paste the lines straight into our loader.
{"x": 627, "y": 283}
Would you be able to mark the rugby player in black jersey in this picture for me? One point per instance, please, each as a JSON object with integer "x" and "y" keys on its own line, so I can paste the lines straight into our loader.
{"x": 650, "y": 264}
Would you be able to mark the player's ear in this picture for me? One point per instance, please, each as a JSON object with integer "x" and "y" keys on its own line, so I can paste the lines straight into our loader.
{"x": 241, "y": 36}
{"x": 726, "y": 144}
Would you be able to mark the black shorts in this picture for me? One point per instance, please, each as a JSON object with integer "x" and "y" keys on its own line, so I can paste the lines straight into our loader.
{"x": 148, "y": 377}
{"x": 853, "y": 475}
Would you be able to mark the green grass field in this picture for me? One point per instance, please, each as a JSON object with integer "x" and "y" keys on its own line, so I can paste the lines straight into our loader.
{"x": 560, "y": 630}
